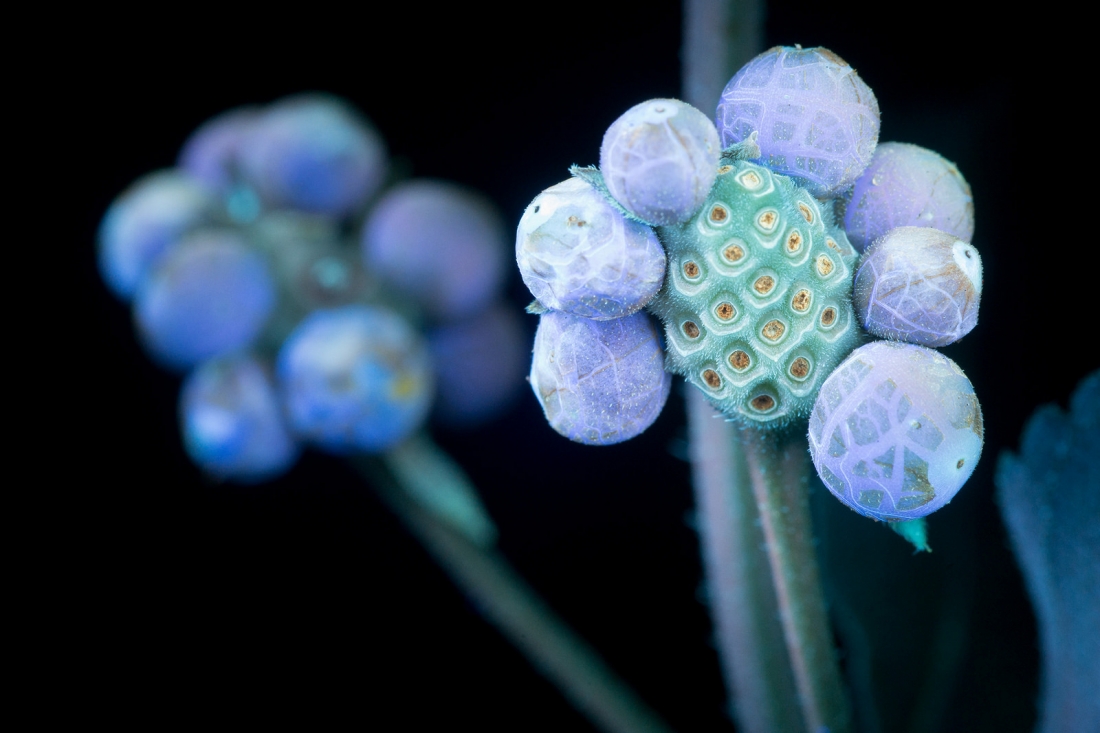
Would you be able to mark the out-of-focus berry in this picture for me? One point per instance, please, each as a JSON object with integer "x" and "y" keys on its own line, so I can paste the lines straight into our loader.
{"x": 578, "y": 254}
{"x": 907, "y": 185}
{"x": 232, "y": 423}
{"x": 896, "y": 431}
{"x": 659, "y": 160}
{"x": 315, "y": 153}
{"x": 144, "y": 222}
{"x": 479, "y": 364}
{"x": 757, "y": 302}
{"x": 919, "y": 285}
{"x": 356, "y": 378}
{"x": 599, "y": 382}
{"x": 439, "y": 243}
{"x": 210, "y": 295}
{"x": 816, "y": 119}
{"x": 211, "y": 153}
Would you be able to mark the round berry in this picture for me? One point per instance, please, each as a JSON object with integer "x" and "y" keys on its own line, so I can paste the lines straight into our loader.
{"x": 907, "y": 185}
{"x": 356, "y": 378}
{"x": 210, "y": 295}
{"x": 232, "y": 422}
{"x": 599, "y": 382}
{"x": 659, "y": 160}
{"x": 896, "y": 431}
{"x": 919, "y": 285}
{"x": 578, "y": 254}
{"x": 211, "y": 153}
{"x": 315, "y": 153}
{"x": 144, "y": 222}
{"x": 439, "y": 243}
{"x": 479, "y": 365}
{"x": 816, "y": 119}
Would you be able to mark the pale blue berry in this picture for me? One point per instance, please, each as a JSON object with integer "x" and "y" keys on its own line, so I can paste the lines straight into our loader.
{"x": 232, "y": 421}
{"x": 895, "y": 431}
{"x": 659, "y": 160}
{"x": 210, "y": 295}
{"x": 211, "y": 154}
{"x": 144, "y": 222}
{"x": 817, "y": 120}
{"x": 577, "y": 253}
{"x": 599, "y": 382}
{"x": 439, "y": 243}
{"x": 919, "y": 285}
{"x": 356, "y": 378}
{"x": 313, "y": 152}
{"x": 907, "y": 185}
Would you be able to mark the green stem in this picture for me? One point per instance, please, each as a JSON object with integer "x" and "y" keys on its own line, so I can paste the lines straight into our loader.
{"x": 766, "y": 598}
{"x": 508, "y": 603}
{"x": 742, "y": 602}
{"x": 779, "y": 470}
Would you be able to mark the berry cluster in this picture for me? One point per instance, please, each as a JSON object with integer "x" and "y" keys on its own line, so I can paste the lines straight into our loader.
{"x": 304, "y": 301}
{"x": 763, "y": 244}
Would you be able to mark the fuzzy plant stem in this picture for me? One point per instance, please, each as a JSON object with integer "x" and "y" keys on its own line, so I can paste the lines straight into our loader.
{"x": 779, "y": 470}
{"x": 765, "y": 592}
{"x": 751, "y": 490}
{"x": 751, "y": 647}
{"x": 510, "y": 605}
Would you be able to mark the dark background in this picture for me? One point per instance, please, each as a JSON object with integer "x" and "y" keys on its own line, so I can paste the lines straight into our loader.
{"x": 305, "y": 596}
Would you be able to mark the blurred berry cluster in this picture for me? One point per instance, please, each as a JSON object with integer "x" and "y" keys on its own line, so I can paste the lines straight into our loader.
{"x": 305, "y": 301}
{"x": 762, "y": 244}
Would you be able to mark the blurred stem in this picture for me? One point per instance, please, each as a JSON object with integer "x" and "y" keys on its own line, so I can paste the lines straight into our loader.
{"x": 507, "y": 602}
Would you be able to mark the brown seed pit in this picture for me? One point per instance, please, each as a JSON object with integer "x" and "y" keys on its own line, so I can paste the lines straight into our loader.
{"x": 824, "y": 266}
{"x": 691, "y": 270}
{"x": 828, "y": 317}
{"x": 733, "y": 253}
{"x": 719, "y": 214}
{"x": 807, "y": 212}
{"x": 832, "y": 244}
{"x": 773, "y": 330}
{"x": 764, "y": 284}
{"x": 690, "y": 330}
{"x": 575, "y": 221}
{"x": 794, "y": 242}
{"x": 724, "y": 170}
{"x": 712, "y": 379}
{"x": 762, "y": 403}
{"x": 740, "y": 361}
{"x": 725, "y": 311}
{"x": 801, "y": 301}
{"x": 960, "y": 463}
{"x": 800, "y": 367}
{"x": 767, "y": 220}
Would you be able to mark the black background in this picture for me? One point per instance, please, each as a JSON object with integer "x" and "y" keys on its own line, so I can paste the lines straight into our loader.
{"x": 304, "y": 596}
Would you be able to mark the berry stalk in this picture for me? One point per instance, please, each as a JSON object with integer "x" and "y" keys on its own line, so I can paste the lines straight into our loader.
{"x": 761, "y": 688}
{"x": 513, "y": 607}
{"x": 778, "y": 468}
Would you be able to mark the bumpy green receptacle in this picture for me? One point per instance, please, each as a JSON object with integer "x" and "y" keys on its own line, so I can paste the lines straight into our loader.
{"x": 757, "y": 298}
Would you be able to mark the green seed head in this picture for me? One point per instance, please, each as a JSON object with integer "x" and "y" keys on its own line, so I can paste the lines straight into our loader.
{"x": 756, "y": 303}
